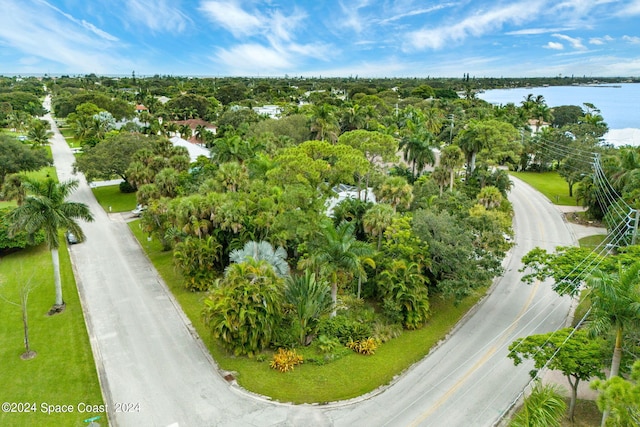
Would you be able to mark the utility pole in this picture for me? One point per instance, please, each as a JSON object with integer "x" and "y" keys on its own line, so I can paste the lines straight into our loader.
{"x": 451, "y": 116}
{"x": 634, "y": 235}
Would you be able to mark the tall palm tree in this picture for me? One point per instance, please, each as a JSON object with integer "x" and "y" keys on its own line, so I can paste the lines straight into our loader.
{"x": 46, "y": 208}
{"x": 490, "y": 197}
{"x": 440, "y": 176}
{"x": 185, "y": 131}
{"x": 451, "y": 158}
{"x": 396, "y": 191}
{"x": 39, "y": 132}
{"x": 615, "y": 305}
{"x": 377, "y": 219}
{"x": 338, "y": 251}
{"x": 324, "y": 123}
{"x": 418, "y": 144}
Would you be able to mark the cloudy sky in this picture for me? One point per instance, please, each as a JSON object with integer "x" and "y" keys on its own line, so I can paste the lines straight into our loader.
{"x": 367, "y": 38}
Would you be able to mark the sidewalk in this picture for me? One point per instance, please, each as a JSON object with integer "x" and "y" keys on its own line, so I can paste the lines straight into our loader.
{"x": 580, "y": 230}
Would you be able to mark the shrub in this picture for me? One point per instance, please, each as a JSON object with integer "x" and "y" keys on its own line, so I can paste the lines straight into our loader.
{"x": 126, "y": 187}
{"x": 344, "y": 329}
{"x": 20, "y": 240}
{"x": 367, "y": 346}
{"x": 384, "y": 332}
{"x": 285, "y": 360}
{"x": 328, "y": 344}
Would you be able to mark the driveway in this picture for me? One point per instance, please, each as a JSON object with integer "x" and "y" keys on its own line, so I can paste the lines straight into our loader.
{"x": 148, "y": 354}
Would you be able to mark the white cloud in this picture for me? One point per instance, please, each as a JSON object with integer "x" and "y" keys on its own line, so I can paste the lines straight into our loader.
{"x": 631, "y": 9}
{"x": 233, "y": 18}
{"x": 600, "y": 40}
{"x": 631, "y": 39}
{"x": 554, "y": 46}
{"x": 350, "y": 17}
{"x": 275, "y": 47}
{"x": 48, "y": 34}
{"x": 575, "y": 42}
{"x": 415, "y": 12}
{"x": 157, "y": 15}
{"x": 534, "y": 31}
{"x": 476, "y": 25}
{"x": 245, "y": 59}
{"x": 89, "y": 26}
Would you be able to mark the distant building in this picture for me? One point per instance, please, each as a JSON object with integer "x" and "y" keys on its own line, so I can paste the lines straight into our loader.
{"x": 140, "y": 108}
{"x": 194, "y": 123}
{"x": 344, "y": 191}
{"x": 537, "y": 126}
{"x": 271, "y": 111}
{"x": 194, "y": 150}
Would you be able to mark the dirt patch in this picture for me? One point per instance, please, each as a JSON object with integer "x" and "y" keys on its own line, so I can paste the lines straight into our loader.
{"x": 580, "y": 218}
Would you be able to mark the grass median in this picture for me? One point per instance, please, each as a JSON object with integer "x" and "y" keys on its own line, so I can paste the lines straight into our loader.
{"x": 63, "y": 371}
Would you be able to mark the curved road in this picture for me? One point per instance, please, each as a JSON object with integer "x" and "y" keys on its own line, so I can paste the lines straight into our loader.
{"x": 148, "y": 354}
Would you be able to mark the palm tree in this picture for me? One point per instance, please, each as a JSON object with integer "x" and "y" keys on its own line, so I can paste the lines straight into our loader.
{"x": 615, "y": 305}
{"x": 395, "y": 191}
{"x": 353, "y": 118}
{"x": 451, "y": 159}
{"x": 39, "y": 132}
{"x": 418, "y": 143}
{"x": 262, "y": 250}
{"x": 185, "y": 131}
{"x": 377, "y": 219}
{"x": 440, "y": 176}
{"x": 310, "y": 298}
{"x": 12, "y": 189}
{"x": 46, "y": 209}
{"x": 338, "y": 251}
{"x": 544, "y": 407}
{"x": 324, "y": 123}
{"x": 490, "y": 197}
{"x": 199, "y": 133}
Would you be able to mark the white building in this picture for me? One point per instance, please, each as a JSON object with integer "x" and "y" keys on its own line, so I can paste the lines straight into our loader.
{"x": 344, "y": 191}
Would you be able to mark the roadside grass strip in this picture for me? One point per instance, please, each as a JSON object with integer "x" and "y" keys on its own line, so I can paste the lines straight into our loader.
{"x": 110, "y": 196}
{"x": 551, "y": 184}
{"x": 59, "y": 386}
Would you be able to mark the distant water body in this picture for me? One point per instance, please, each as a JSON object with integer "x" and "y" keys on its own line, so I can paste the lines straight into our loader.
{"x": 619, "y": 104}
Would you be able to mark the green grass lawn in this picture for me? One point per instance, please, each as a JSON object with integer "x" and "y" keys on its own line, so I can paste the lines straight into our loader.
{"x": 63, "y": 371}
{"x": 67, "y": 132}
{"x": 111, "y": 196}
{"x": 309, "y": 382}
{"x": 41, "y": 175}
{"x": 592, "y": 241}
{"x": 551, "y": 184}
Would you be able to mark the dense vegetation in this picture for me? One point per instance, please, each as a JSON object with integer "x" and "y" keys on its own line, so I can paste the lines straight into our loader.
{"x": 256, "y": 228}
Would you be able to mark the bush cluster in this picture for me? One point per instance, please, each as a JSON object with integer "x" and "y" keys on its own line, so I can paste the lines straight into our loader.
{"x": 285, "y": 360}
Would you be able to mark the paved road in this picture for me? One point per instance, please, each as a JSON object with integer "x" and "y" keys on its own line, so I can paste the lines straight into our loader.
{"x": 147, "y": 353}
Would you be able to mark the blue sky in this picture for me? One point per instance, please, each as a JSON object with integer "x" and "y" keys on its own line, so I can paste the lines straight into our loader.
{"x": 402, "y": 38}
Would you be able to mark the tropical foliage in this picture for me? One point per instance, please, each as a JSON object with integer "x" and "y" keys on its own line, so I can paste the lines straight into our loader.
{"x": 45, "y": 209}
{"x": 243, "y": 308}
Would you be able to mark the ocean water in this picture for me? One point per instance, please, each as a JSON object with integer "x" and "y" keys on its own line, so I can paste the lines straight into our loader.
{"x": 619, "y": 104}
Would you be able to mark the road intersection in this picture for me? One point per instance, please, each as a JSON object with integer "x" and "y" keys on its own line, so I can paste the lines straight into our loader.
{"x": 148, "y": 353}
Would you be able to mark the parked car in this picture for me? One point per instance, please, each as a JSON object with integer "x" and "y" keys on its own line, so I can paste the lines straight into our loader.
{"x": 71, "y": 238}
{"x": 137, "y": 212}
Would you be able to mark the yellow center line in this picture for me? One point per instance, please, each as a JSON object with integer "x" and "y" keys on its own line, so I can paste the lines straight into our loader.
{"x": 480, "y": 362}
